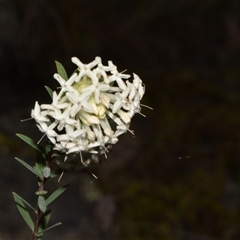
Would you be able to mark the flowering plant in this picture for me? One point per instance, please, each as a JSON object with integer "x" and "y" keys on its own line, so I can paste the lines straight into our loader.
{"x": 92, "y": 108}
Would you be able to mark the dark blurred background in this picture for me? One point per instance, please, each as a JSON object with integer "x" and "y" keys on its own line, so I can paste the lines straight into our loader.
{"x": 179, "y": 177}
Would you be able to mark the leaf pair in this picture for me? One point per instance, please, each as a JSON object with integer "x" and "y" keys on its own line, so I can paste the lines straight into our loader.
{"x": 40, "y": 170}
{"x": 22, "y": 205}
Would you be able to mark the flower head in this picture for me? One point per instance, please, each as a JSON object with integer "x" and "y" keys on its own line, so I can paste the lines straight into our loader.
{"x": 91, "y": 110}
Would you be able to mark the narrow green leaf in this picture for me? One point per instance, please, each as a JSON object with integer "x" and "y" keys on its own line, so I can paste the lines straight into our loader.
{"x": 43, "y": 223}
{"x": 23, "y": 211}
{"x": 61, "y": 70}
{"x": 42, "y": 204}
{"x": 53, "y": 226}
{"x": 50, "y": 91}
{"x": 38, "y": 168}
{"x": 56, "y": 194}
{"x": 46, "y": 172}
{"x": 48, "y": 147}
{"x": 40, "y": 163}
{"x": 24, "y": 201}
{"x": 30, "y": 142}
{"x": 29, "y": 167}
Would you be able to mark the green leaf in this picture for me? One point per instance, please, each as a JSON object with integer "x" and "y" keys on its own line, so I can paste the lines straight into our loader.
{"x": 24, "y": 201}
{"x": 23, "y": 211}
{"x": 30, "y": 142}
{"x": 50, "y": 91}
{"x": 61, "y": 70}
{"x": 46, "y": 172}
{"x": 40, "y": 163}
{"x": 48, "y": 148}
{"x": 38, "y": 168}
{"x": 56, "y": 194}
{"x": 29, "y": 167}
{"x": 42, "y": 204}
{"x": 53, "y": 226}
{"x": 43, "y": 223}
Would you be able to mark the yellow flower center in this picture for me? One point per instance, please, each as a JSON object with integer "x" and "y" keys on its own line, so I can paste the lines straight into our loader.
{"x": 99, "y": 109}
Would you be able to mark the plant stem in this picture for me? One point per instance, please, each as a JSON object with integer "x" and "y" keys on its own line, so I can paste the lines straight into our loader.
{"x": 35, "y": 230}
{"x": 38, "y": 211}
{"x": 41, "y": 183}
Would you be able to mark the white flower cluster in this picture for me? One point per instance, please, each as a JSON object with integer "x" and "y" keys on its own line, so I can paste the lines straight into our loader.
{"x": 93, "y": 107}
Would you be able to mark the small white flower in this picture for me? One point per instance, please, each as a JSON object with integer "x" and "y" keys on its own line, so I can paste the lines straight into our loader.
{"x": 118, "y": 77}
{"x": 120, "y": 102}
{"x": 58, "y": 102}
{"x": 137, "y": 82}
{"x": 48, "y": 130}
{"x": 83, "y": 66}
{"x": 71, "y": 133}
{"x": 63, "y": 118}
{"x": 79, "y": 102}
{"x": 66, "y": 86}
{"x": 38, "y": 115}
